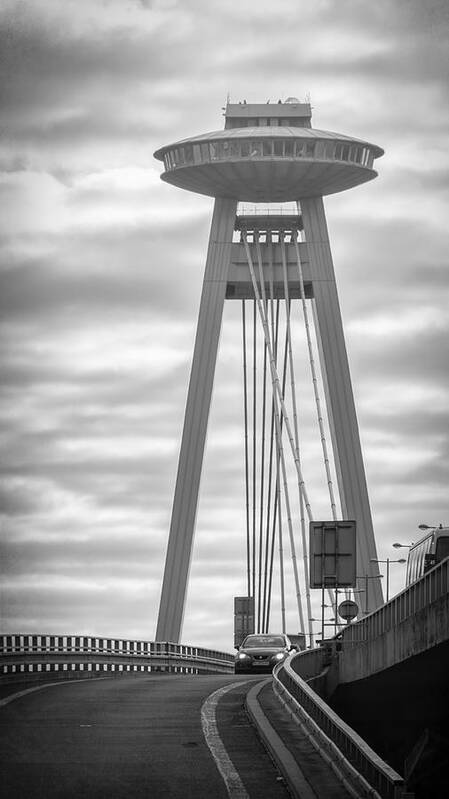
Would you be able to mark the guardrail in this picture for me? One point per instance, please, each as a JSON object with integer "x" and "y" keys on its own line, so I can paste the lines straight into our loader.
{"x": 434, "y": 585}
{"x": 363, "y": 772}
{"x": 34, "y": 656}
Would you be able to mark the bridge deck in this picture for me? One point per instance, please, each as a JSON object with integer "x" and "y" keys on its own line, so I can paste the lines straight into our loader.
{"x": 143, "y": 736}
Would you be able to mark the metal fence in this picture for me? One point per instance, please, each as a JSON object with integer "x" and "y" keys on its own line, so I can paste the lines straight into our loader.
{"x": 434, "y": 585}
{"x": 361, "y": 769}
{"x": 32, "y": 656}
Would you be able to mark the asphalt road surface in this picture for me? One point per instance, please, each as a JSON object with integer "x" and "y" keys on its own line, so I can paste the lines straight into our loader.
{"x": 167, "y": 736}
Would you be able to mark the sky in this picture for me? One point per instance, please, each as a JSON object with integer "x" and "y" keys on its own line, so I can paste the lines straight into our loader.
{"x": 101, "y": 270}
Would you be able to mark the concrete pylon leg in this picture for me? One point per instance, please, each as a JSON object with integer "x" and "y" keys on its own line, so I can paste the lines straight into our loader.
{"x": 339, "y": 397}
{"x": 177, "y": 563}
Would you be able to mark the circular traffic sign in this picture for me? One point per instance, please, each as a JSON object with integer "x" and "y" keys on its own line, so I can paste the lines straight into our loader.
{"x": 348, "y": 610}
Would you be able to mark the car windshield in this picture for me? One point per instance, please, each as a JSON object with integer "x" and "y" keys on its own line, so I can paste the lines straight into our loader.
{"x": 263, "y": 640}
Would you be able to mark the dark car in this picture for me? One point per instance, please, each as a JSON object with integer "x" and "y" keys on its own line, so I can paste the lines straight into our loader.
{"x": 259, "y": 653}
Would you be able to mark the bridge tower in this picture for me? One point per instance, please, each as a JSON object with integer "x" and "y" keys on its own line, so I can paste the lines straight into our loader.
{"x": 267, "y": 153}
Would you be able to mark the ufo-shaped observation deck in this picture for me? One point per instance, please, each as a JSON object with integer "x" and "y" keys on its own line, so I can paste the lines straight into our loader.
{"x": 268, "y": 164}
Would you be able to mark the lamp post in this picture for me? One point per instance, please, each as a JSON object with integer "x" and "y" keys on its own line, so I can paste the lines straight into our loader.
{"x": 387, "y": 562}
{"x": 367, "y": 577}
{"x": 329, "y": 623}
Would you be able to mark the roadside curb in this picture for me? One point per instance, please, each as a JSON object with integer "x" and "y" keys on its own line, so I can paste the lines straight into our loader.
{"x": 298, "y": 785}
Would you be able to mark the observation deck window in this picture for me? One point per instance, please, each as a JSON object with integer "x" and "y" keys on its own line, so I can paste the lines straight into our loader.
{"x": 267, "y": 148}
{"x": 367, "y": 157}
{"x": 353, "y": 153}
{"x": 234, "y": 149}
{"x": 205, "y": 152}
{"x": 329, "y": 150}
{"x": 188, "y": 154}
{"x": 274, "y": 122}
{"x": 256, "y": 149}
{"x": 305, "y": 149}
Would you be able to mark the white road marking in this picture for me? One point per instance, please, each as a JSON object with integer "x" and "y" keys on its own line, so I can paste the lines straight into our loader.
{"x": 231, "y": 779}
{"x": 7, "y": 699}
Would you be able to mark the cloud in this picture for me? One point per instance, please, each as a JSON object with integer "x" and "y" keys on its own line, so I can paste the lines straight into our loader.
{"x": 101, "y": 268}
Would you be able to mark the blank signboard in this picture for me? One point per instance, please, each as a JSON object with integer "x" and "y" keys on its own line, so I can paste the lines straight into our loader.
{"x": 332, "y": 554}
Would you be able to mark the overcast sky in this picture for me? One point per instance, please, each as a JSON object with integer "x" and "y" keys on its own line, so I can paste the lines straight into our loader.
{"x": 101, "y": 276}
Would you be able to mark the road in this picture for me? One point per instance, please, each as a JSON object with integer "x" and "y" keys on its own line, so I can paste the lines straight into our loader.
{"x": 137, "y": 736}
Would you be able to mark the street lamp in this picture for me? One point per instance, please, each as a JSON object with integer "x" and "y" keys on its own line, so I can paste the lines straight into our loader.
{"x": 402, "y": 546}
{"x": 387, "y": 562}
{"x": 430, "y": 527}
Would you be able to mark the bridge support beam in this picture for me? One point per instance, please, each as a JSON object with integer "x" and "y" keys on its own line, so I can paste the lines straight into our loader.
{"x": 177, "y": 564}
{"x": 339, "y": 396}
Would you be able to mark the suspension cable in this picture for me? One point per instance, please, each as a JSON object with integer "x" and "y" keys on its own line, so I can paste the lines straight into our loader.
{"x": 280, "y": 450}
{"x": 253, "y": 592}
{"x": 295, "y": 426}
{"x": 262, "y": 484}
{"x": 278, "y": 495}
{"x": 245, "y": 412}
{"x": 281, "y": 549}
{"x": 315, "y": 389}
{"x": 275, "y": 378}
{"x": 273, "y": 540}
{"x": 269, "y": 551}
{"x": 315, "y": 384}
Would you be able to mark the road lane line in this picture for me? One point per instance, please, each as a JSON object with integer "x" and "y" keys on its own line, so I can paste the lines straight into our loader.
{"x": 231, "y": 779}
{"x": 7, "y": 699}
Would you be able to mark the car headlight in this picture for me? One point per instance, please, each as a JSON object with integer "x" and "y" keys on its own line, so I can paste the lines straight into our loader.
{"x": 279, "y": 656}
{"x": 242, "y": 656}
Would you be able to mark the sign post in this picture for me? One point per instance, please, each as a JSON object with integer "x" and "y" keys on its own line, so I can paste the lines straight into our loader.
{"x": 332, "y": 559}
{"x": 243, "y": 618}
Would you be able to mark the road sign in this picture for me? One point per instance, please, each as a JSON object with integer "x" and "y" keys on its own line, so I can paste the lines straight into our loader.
{"x": 243, "y": 618}
{"x": 348, "y": 610}
{"x": 332, "y": 554}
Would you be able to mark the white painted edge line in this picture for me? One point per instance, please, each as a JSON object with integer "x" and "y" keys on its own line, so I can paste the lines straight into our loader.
{"x": 230, "y": 777}
{"x": 298, "y": 785}
{"x": 12, "y": 697}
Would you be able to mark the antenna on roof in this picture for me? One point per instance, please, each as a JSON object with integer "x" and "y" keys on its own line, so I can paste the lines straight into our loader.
{"x": 228, "y": 100}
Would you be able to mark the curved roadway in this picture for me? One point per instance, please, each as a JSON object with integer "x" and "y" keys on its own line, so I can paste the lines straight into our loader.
{"x": 141, "y": 736}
